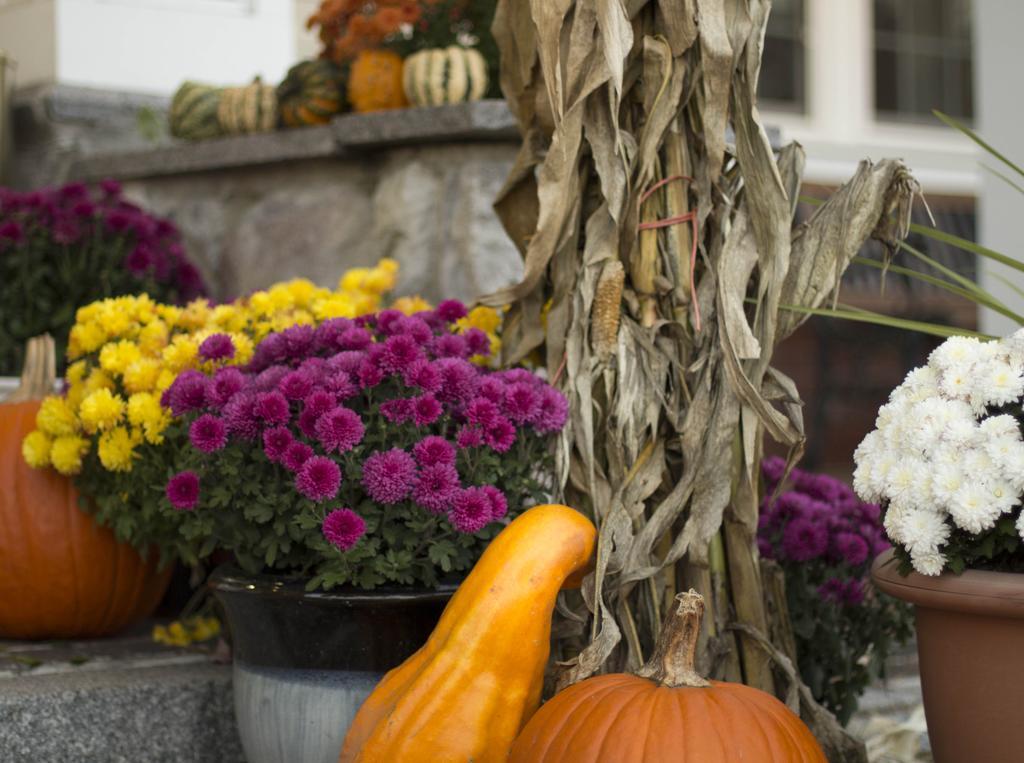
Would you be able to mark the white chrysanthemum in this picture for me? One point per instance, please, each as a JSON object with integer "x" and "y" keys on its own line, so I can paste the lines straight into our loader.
{"x": 998, "y": 382}
{"x": 1011, "y": 463}
{"x": 922, "y": 383}
{"x": 1014, "y": 346}
{"x": 863, "y": 480}
{"x": 928, "y": 564}
{"x": 947, "y": 479}
{"x": 902, "y": 479}
{"x": 972, "y": 507}
{"x": 893, "y": 522}
{"x": 955, "y": 352}
{"x": 957, "y": 382}
{"x": 961, "y": 432}
{"x": 923, "y": 531}
{"x": 979, "y": 465}
{"x": 999, "y": 427}
{"x": 1002, "y": 494}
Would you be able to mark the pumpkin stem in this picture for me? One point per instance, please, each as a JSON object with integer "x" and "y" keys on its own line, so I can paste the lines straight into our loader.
{"x": 672, "y": 662}
{"x": 39, "y": 372}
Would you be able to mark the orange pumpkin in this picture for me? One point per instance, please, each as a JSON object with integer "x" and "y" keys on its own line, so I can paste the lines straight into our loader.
{"x": 467, "y": 693}
{"x": 666, "y": 712}
{"x": 61, "y": 575}
{"x": 375, "y": 81}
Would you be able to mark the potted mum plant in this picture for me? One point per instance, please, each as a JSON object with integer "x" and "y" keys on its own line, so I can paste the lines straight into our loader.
{"x": 824, "y": 538}
{"x": 63, "y": 248}
{"x": 109, "y": 434}
{"x": 355, "y": 471}
{"x": 947, "y": 462}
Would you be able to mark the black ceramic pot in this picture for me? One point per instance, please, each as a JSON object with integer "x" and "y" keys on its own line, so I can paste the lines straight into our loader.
{"x": 304, "y": 662}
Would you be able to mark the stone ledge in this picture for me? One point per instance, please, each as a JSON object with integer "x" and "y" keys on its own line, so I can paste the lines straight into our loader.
{"x": 482, "y": 121}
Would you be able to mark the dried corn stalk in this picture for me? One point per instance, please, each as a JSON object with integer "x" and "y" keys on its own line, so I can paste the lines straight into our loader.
{"x": 616, "y": 99}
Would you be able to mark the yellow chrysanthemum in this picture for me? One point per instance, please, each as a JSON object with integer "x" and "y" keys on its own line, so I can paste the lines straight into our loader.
{"x": 35, "y": 449}
{"x": 85, "y": 338}
{"x": 98, "y": 379}
{"x": 153, "y": 337}
{"x": 117, "y": 449}
{"x": 410, "y": 305}
{"x": 260, "y": 304}
{"x": 55, "y": 417}
{"x": 76, "y": 372}
{"x": 115, "y": 357}
{"x": 169, "y": 314}
{"x": 195, "y": 315}
{"x": 334, "y": 306}
{"x": 388, "y": 265}
{"x": 303, "y": 291}
{"x": 229, "y": 317}
{"x": 243, "y": 348}
{"x": 67, "y": 452}
{"x": 148, "y": 416}
{"x": 141, "y": 375}
{"x": 379, "y": 281}
{"x": 114, "y": 320}
{"x": 165, "y": 379}
{"x": 180, "y": 353}
{"x": 352, "y": 279}
{"x": 101, "y": 410}
{"x": 487, "y": 319}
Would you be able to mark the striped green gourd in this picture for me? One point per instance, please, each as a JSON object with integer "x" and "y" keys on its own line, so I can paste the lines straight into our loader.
{"x": 444, "y": 75}
{"x": 250, "y": 108}
{"x": 312, "y": 93}
{"x": 193, "y": 112}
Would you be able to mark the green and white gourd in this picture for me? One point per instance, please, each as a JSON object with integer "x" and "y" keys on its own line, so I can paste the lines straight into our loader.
{"x": 444, "y": 75}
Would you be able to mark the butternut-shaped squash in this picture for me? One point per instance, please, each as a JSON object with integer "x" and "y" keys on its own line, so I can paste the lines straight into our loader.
{"x": 467, "y": 693}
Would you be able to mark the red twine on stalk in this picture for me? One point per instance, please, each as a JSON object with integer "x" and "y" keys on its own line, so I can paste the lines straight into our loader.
{"x": 690, "y": 217}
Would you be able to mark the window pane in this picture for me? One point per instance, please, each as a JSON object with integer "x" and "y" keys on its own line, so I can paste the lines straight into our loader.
{"x": 923, "y": 57}
{"x": 782, "y": 67}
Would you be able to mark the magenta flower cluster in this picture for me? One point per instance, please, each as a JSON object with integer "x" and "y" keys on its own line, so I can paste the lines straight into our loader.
{"x": 818, "y": 520}
{"x": 385, "y": 409}
{"x": 96, "y": 221}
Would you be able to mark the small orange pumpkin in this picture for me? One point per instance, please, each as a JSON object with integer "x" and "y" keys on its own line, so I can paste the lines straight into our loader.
{"x": 666, "y": 712}
{"x": 375, "y": 81}
{"x": 61, "y": 575}
{"x": 466, "y": 694}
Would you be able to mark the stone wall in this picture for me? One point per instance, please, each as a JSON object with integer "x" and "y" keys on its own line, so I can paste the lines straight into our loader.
{"x": 416, "y": 185}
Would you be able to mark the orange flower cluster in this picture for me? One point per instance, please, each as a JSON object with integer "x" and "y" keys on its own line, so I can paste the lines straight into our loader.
{"x": 350, "y": 26}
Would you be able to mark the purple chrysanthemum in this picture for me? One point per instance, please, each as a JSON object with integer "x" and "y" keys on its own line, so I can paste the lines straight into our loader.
{"x": 451, "y": 310}
{"x": 183, "y": 490}
{"x": 139, "y": 260}
{"x": 764, "y": 548}
{"x": 492, "y": 388}
{"x": 853, "y": 593}
{"x": 217, "y": 347}
{"x": 369, "y": 374}
{"x": 434, "y": 450}
{"x": 388, "y": 475}
{"x": 477, "y": 341}
{"x": 469, "y": 437}
{"x": 354, "y": 339}
{"x": 522, "y": 402}
{"x": 803, "y": 540}
{"x": 773, "y": 468}
{"x": 295, "y": 455}
{"x": 339, "y": 430}
{"x": 449, "y": 346}
{"x": 272, "y": 349}
{"x": 268, "y": 379}
{"x": 501, "y": 435}
{"x": 347, "y": 361}
{"x": 425, "y": 410}
{"x": 552, "y": 412}
{"x": 852, "y": 548}
{"x": 296, "y": 385}
{"x": 832, "y": 590}
{"x": 459, "y": 380}
{"x": 225, "y": 383}
{"x": 272, "y": 407}
{"x": 400, "y": 353}
{"x": 436, "y": 487}
{"x": 276, "y": 442}
{"x": 187, "y": 393}
{"x": 241, "y": 417}
{"x": 482, "y": 412}
{"x": 387, "y": 321}
{"x": 415, "y": 327}
{"x": 516, "y": 375}
{"x": 319, "y": 402}
{"x": 499, "y": 503}
{"x": 397, "y": 411}
{"x": 318, "y": 479}
{"x": 423, "y": 375}
{"x": 471, "y": 510}
{"x": 208, "y": 433}
{"x": 343, "y": 528}
{"x": 298, "y": 340}
{"x": 339, "y": 385}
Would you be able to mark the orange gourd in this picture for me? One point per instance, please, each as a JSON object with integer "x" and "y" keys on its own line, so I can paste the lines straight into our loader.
{"x": 466, "y": 694}
{"x": 375, "y": 81}
{"x": 666, "y": 712}
{"x": 61, "y": 575}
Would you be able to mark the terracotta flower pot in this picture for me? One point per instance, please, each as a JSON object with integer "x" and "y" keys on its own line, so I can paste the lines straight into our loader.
{"x": 970, "y": 644}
